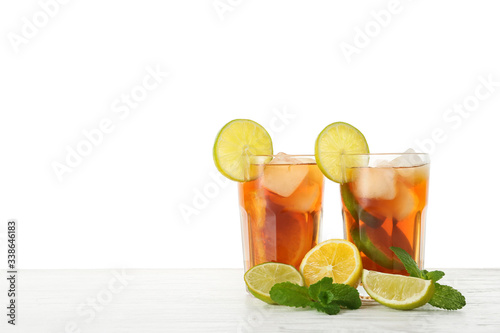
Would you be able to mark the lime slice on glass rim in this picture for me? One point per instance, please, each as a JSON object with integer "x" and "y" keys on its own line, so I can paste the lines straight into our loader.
{"x": 235, "y": 143}
{"x": 333, "y": 143}
{"x": 261, "y": 278}
{"x": 397, "y": 291}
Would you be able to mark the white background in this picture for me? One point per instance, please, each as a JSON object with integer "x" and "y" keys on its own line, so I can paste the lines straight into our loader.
{"x": 279, "y": 63}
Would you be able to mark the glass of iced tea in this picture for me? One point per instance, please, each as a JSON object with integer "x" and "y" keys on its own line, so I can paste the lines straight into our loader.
{"x": 384, "y": 200}
{"x": 280, "y": 208}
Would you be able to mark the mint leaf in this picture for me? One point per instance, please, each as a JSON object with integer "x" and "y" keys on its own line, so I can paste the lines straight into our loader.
{"x": 408, "y": 262}
{"x": 290, "y": 294}
{"x": 341, "y": 294}
{"x": 325, "y": 297}
{"x": 322, "y": 285}
{"x": 445, "y": 297}
{"x": 434, "y": 275}
{"x": 330, "y": 309}
{"x": 345, "y": 295}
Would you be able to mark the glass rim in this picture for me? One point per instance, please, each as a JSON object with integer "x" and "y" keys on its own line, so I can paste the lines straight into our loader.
{"x": 275, "y": 155}
{"x": 305, "y": 159}
{"x": 384, "y": 154}
{"x": 351, "y": 154}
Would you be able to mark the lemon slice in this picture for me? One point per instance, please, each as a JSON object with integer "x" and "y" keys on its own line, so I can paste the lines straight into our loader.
{"x": 261, "y": 278}
{"x": 235, "y": 143}
{"x": 335, "y": 258}
{"x": 397, "y": 291}
{"x": 332, "y": 143}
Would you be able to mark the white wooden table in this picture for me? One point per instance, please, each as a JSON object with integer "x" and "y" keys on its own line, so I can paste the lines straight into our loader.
{"x": 215, "y": 300}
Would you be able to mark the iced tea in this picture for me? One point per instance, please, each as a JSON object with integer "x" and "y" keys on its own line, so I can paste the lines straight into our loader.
{"x": 384, "y": 205}
{"x": 281, "y": 210}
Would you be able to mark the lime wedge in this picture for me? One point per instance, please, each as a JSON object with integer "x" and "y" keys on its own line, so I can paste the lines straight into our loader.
{"x": 397, "y": 291}
{"x": 261, "y": 278}
{"x": 332, "y": 143}
{"x": 235, "y": 143}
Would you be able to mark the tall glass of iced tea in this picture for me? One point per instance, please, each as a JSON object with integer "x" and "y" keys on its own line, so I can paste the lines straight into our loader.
{"x": 280, "y": 208}
{"x": 384, "y": 200}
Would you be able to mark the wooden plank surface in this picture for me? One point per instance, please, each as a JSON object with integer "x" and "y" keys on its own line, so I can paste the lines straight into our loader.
{"x": 215, "y": 300}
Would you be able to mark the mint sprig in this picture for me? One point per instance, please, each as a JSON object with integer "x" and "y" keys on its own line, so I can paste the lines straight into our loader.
{"x": 324, "y": 296}
{"x": 410, "y": 264}
{"x": 445, "y": 297}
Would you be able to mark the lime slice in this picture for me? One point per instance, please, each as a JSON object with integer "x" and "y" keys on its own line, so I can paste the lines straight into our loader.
{"x": 365, "y": 245}
{"x": 335, "y": 140}
{"x": 261, "y": 278}
{"x": 236, "y": 142}
{"x": 397, "y": 291}
{"x": 357, "y": 212}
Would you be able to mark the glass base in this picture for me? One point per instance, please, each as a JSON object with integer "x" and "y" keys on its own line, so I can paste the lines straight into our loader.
{"x": 363, "y": 294}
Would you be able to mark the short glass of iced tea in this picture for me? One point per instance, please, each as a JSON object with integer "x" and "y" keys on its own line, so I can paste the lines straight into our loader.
{"x": 384, "y": 202}
{"x": 280, "y": 208}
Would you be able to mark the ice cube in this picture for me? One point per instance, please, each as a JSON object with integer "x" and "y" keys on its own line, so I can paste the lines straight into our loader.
{"x": 382, "y": 164}
{"x": 282, "y": 158}
{"x": 375, "y": 183}
{"x": 284, "y": 179}
{"x": 399, "y": 207}
{"x": 413, "y": 176}
{"x": 404, "y": 202}
{"x": 301, "y": 201}
{"x": 305, "y": 201}
{"x": 408, "y": 159}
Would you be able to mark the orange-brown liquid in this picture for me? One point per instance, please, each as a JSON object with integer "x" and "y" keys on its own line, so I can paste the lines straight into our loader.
{"x": 384, "y": 207}
{"x": 281, "y": 213}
